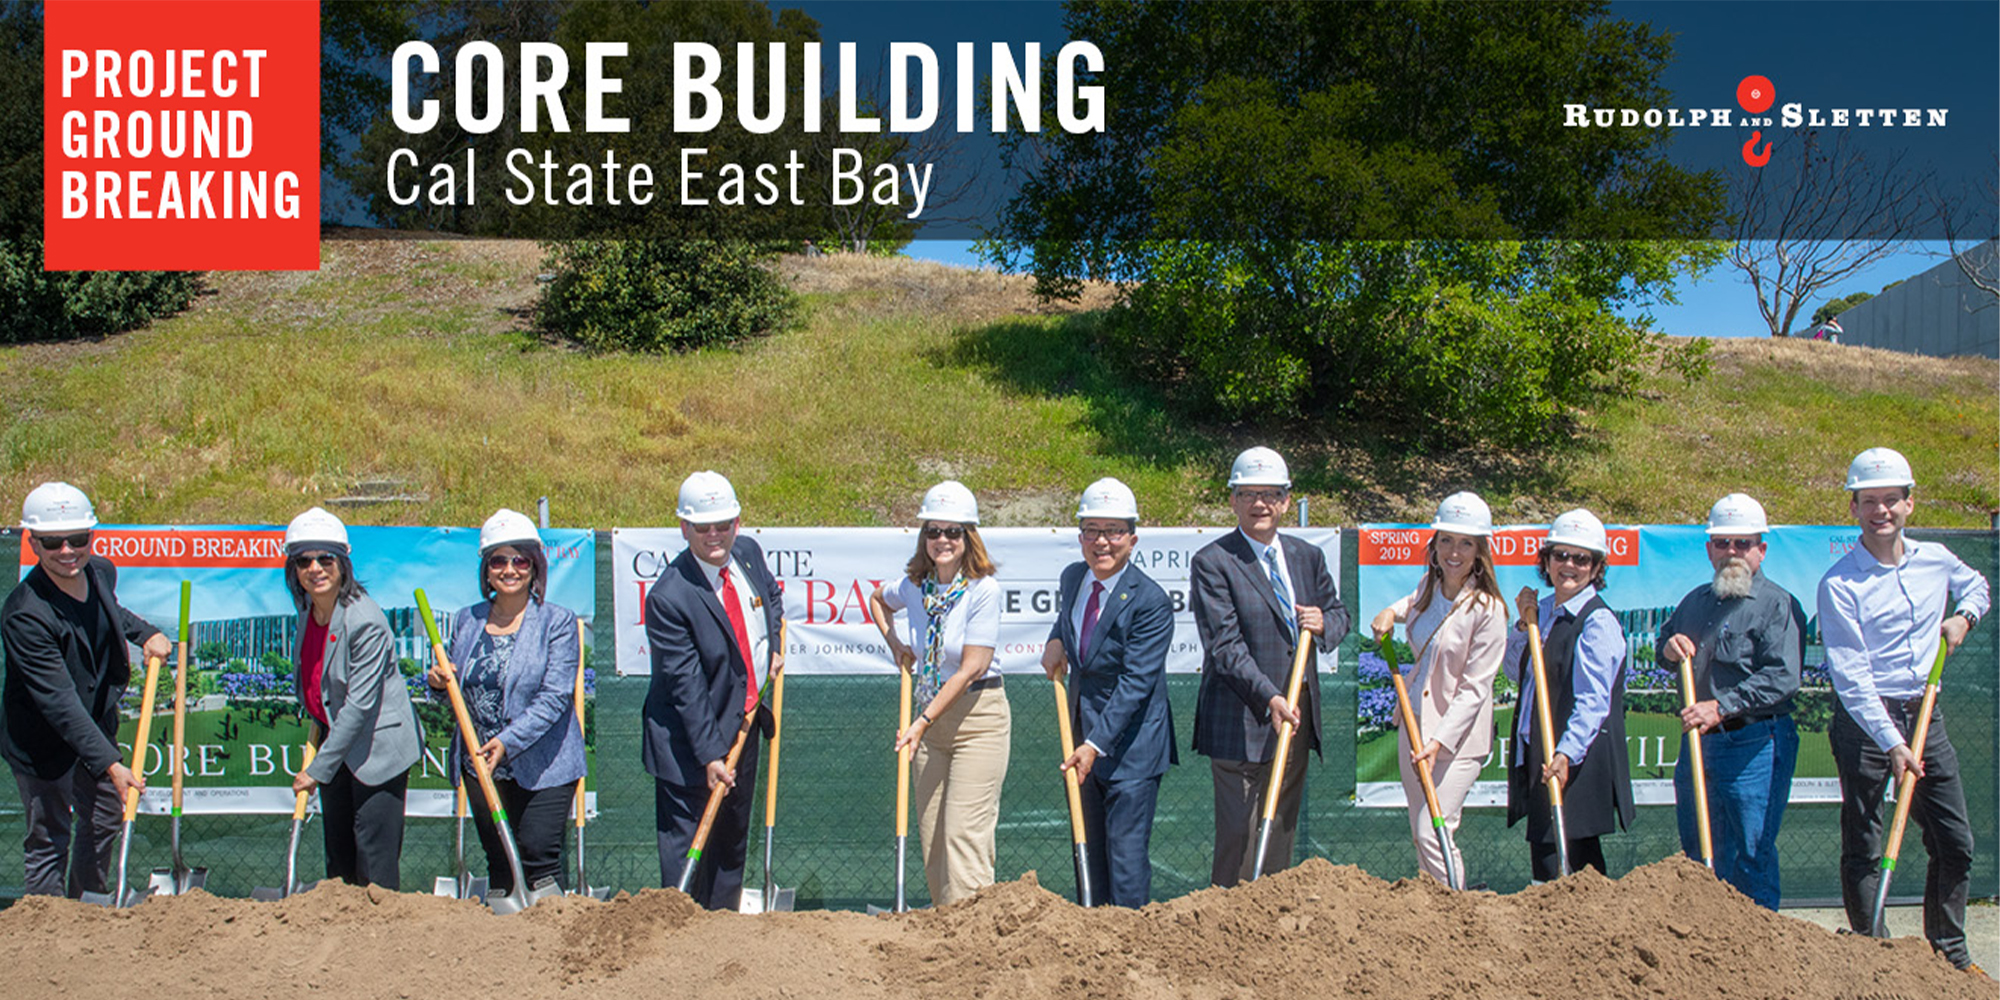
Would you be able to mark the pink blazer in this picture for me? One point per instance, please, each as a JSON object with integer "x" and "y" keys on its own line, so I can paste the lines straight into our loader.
{"x": 1455, "y": 707}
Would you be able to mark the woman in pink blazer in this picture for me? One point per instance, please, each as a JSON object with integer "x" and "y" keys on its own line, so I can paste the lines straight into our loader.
{"x": 1457, "y": 625}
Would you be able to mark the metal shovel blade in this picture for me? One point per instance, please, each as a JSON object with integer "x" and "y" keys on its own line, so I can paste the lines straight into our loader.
{"x": 119, "y": 898}
{"x": 176, "y": 882}
{"x": 473, "y": 888}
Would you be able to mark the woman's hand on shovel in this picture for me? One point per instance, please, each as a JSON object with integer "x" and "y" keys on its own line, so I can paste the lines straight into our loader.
{"x": 493, "y": 752}
{"x": 303, "y": 782}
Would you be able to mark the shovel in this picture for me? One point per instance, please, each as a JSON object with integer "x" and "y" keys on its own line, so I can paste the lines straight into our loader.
{"x": 1071, "y": 788}
{"x": 1284, "y": 750}
{"x": 180, "y": 878}
{"x": 120, "y": 895}
{"x": 1702, "y": 829}
{"x": 773, "y": 899}
{"x": 517, "y": 898}
{"x": 715, "y": 796}
{"x": 1453, "y": 877}
{"x": 462, "y": 885}
{"x": 292, "y": 884}
{"x": 1548, "y": 729}
{"x": 583, "y": 887}
{"x": 1907, "y": 794}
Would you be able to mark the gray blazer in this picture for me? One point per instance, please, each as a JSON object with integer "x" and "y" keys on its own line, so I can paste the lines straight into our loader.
{"x": 538, "y": 694}
{"x": 373, "y": 729}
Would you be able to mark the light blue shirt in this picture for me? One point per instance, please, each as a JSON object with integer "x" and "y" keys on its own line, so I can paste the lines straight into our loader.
{"x": 1597, "y": 664}
{"x": 1880, "y": 625}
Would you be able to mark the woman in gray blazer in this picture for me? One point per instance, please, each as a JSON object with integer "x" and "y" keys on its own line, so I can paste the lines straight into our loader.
{"x": 517, "y": 658}
{"x": 350, "y": 686}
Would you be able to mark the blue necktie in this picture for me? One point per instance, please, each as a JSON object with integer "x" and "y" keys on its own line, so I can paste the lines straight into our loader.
{"x": 1278, "y": 587}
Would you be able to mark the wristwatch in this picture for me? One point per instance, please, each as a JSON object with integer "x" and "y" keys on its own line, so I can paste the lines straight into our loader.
{"x": 1971, "y": 620}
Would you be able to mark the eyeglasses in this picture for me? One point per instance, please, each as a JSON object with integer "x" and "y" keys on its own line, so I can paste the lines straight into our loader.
{"x": 498, "y": 561}
{"x": 1108, "y": 534}
{"x": 712, "y": 529}
{"x": 1572, "y": 556}
{"x": 1735, "y": 544}
{"x": 954, "y": 533}
{"x": 79, "y": 542}
{"x": 1261, "y": 496}
{"x": 326, "y": 560}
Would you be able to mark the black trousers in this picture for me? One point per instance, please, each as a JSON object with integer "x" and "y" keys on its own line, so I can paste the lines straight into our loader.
{"x": 1584, "y": 852}
{"x": 364, "y": 829}
{"x": 1938, "y": 808}
{"x": 73, "y": 825}
{"x": 718, "y": 875}
{"x": 537, "y": 819}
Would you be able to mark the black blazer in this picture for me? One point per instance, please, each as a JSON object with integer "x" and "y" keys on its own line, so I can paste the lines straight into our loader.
{"x": 1246, "y": 656}
{"x": 695, "y": 702}
{"x": 1119, "y": 693}
{"x": 57, "y": 708}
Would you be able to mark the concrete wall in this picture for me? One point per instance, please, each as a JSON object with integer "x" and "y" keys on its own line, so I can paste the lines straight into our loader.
{"x": 1937, "y": 312}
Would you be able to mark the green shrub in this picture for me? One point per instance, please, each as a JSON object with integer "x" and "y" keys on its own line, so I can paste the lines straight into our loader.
{"x": 57, "y": 305}
{"x": 662, "y": 295}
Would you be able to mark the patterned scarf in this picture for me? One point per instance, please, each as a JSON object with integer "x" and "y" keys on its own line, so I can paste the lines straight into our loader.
{"x": 930, "y": 672}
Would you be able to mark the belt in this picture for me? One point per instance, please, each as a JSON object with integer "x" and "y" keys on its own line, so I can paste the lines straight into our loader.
{"x": 1733, "y": 724}
{"x": 1904, "y": 706}
{"x": 981, "y": 685}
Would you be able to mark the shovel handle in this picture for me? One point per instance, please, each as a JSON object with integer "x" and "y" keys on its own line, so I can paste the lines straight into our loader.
{"x": 777, "y": 733}
{"x": 1542, "y": 719}
{"x": 465, "y": 730}
{"x": 1285, "y": 728}
{"x": 139, "y": 739}
{"x": 175, "y": 766}
{"x": 1415, "y": 737}
{"x": 581, "y": 733}
{"x": 1072, "y": 785}
{"x": 903, "y": 760}
{"x": 1700, "y": 769}
{"x": 715, "y": 794}
{"x": 299, "y": 805}
{"x": 1907, "y": 793}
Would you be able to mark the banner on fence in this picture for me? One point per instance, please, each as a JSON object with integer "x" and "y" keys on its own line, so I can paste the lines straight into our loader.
{"x": 828, "y": 573}
{"x": 1650, "y": 569}
{"x": 244, "y": 723}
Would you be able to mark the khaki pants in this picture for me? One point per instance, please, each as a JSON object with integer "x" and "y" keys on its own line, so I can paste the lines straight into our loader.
{"x": 1454, "y": 777}
{"x": 960, "y": 764}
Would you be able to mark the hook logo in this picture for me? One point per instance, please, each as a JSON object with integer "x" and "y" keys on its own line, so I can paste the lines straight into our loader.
{"x": 1756, "y": 95}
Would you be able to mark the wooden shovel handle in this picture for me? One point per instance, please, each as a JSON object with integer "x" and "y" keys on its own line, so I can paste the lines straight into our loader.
{"x": 1696, "y": 764}
{"x": 777, "y": 734}
{"x": 175, "y": 766}
{"x": 1542, "y": 719}
{"x": 1415, "y": 737}
{"x": 903, "y": 760}
{"x": 1072, "y": 785}
{"x": 299, "y": 806}
{"x": 582, "y": 735}
{"x": 145, "y": 733}
{"x": 1285, "y": 728}
{"x": 715, "y": 794}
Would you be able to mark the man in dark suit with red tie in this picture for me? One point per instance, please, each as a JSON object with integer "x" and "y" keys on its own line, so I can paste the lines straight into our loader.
{"x": 1113, "y": 628}
{"x": 1253, "y": 591}
{"x": 713, "y": 628}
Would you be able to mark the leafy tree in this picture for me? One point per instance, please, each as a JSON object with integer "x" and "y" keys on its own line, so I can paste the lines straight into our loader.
{"x": 211, "y": 652}
{"x": 662, "y": 295}
{"x": 1837, "y": 306}
{"x": 1370, "y": 211}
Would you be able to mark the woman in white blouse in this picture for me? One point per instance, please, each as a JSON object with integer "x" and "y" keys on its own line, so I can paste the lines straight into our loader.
{"x": 962, "y": 729}
{"x": 1457, "y": 625}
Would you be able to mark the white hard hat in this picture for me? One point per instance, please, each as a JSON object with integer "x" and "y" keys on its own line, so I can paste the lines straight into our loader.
{"x": 315, "y": 529}
{"x": 1879, "y": 467}
{"x": 1108, "y": 498}
{"x": 1580, "y": 528}
{"x": 57, "y": 507}
{"x": 508, "y": 527}
{"x": 1259, "y": 466}
{"x": 707, "y": 498}
{"x": 949, "y": 501}
{"x": 1737, "y": 514}
{"x": 1464, "y": 514}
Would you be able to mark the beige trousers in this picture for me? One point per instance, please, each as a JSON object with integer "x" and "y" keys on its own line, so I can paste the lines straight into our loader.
{"x": 1454, "y": 777}
{"x": 960, "y": 764}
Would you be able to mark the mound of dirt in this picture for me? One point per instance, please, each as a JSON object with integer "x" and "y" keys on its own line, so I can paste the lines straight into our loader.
{"x": 1665, "y": 930}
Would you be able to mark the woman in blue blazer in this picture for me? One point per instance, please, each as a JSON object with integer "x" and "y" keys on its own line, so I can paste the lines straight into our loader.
{"x": 517, "y": 658}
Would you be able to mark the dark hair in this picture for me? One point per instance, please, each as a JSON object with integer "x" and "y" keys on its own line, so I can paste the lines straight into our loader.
{"x": 976, "y": 563}
{"x": 1854, "y": 496}
{"x": 538, "y": 569}
{"x": 350, "y": 588}
{"x": 1596, "y": 572}
{"x": 1483, "y": 578}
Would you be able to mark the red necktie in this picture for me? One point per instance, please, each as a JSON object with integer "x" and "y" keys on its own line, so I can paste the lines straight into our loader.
{"x": 1089, "y": 620}
{"x": 734, "y": 608}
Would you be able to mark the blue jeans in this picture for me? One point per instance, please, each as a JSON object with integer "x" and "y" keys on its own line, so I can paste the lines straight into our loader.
{"x": 1749, "y": 782}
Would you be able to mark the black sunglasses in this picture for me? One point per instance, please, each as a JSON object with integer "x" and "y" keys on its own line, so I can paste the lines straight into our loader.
{"x": 326, "y": 560}
{"x": 954, "y": 533}
{"x": 1734, "y": 544}
{"x": 498, "y": 561}
{"x": 55, "y": 543}
{"x": 1573, "y": 557}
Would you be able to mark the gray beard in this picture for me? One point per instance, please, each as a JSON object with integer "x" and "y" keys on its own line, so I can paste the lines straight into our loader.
{"x": 1734, "y": 579}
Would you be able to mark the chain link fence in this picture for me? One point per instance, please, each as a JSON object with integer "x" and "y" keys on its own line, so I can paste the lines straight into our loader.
{"x": 834, "y": 838}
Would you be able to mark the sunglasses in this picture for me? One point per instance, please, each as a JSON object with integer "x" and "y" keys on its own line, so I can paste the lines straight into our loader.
{"x": 79, "y": 542}
{"x": 954, "y": 533}
{"x": 326, "y": 560}
{"x": 1733, "y": 544}
{"x": 1573, "y": 557}
{"x": 1261, "y": 496}
{"x": 497, "y": 561}
{"x": 1108, "y": 534}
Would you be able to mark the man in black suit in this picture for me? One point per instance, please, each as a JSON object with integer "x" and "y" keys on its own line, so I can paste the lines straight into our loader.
{"x": 1254, "y": 590}
{"x": 712, "y": 619}
{"x": 1114, "y": 643}
{"x": 64, "y": 634}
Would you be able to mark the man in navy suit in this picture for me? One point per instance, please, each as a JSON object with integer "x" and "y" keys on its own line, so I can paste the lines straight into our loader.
{"x": 1114, "y": 642}
{"x": 1254, "y": 590}
{"x": 712, "y": 620}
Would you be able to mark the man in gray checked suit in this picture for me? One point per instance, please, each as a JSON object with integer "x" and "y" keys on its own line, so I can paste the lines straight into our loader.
{"x": 1253, "y": 591}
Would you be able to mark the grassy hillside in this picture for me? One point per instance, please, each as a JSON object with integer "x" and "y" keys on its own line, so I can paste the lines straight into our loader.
{"x": 406, "y": 367}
